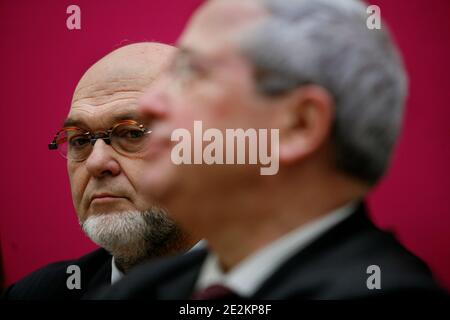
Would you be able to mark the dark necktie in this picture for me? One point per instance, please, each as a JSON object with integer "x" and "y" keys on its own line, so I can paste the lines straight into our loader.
{"x": 215, "y": 292}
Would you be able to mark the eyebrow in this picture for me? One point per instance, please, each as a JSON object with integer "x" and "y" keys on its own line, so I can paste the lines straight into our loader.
{"x": 74, "y": 122}
{"x": 69, "y": 122}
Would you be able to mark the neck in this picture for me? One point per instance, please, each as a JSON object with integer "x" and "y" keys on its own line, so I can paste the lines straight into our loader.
{"x": 286, "y": 207}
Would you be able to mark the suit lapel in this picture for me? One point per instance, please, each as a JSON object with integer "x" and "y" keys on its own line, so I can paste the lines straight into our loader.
{"x": 181, "y": 286}
{"x": 101, "y": 277}
{"x": 299, "y": 276}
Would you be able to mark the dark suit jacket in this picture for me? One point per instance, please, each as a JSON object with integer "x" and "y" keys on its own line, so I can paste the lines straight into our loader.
{"x": 332, "y": 267}
{"x": 49, "y": 282}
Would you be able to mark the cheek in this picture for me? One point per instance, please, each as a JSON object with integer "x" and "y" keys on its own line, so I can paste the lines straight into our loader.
{"x": 135, "y": 172}
{"x": 78, "y": 179}
{"x": 159, "y": 179}
{"x": 212, "y": 108}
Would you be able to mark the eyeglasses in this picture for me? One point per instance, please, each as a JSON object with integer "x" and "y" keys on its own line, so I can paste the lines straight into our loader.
{"x": 127, "y": 137}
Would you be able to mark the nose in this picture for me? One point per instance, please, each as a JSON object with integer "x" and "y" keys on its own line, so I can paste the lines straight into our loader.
{"x": 101, "y": 161}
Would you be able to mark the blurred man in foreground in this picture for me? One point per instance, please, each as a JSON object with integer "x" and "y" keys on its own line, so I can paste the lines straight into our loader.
{"x": 335, "y": 91}
{"x": 103, "y": 139}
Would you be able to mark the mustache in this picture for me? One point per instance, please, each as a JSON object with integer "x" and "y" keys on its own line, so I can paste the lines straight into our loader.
{"x": 105, "y": 189}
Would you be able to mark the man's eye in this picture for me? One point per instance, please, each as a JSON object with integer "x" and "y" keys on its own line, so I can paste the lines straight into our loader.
{"x": 131, "y": 133}
{"x": 78, "y": 142}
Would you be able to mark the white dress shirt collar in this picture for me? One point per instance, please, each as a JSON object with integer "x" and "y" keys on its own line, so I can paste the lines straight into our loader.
{"x": 116, "y": 274}
{"x": 248, "y": 276}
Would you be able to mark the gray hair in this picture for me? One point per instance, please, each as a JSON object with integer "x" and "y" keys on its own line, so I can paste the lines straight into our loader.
{"x": 327, "y": 42}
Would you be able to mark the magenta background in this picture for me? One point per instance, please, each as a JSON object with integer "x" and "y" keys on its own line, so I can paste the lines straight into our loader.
{"x": 41, "y": 62}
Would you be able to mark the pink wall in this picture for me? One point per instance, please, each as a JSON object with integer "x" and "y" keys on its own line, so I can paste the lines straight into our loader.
{"x": 41, "y": 62}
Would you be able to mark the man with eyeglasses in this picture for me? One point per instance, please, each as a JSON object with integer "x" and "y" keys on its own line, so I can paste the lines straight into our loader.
{"x": 103, "y": 140}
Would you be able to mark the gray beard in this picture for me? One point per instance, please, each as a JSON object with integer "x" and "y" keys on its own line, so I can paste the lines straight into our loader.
{"x": 134, "y": 236}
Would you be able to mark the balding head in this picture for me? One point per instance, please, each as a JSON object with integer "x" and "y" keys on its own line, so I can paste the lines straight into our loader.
{"x": 122, "y": 74}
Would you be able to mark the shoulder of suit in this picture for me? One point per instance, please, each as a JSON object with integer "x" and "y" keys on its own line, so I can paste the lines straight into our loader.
{"x": 381, "y": 256}
{"x": 46, "y": 282}
{"x": 343, "y": 263}
{"x": 351, "y": 268}
{"x": 149, "y": 275}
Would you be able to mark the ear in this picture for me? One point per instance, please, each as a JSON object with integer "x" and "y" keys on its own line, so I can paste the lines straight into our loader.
{"x": 308, "y": 120}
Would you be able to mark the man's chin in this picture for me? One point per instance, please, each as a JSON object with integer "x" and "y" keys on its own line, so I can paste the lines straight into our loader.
{"x": 111, "y": 229}
{"x": 106, "y": 205}
{"x": 102, "y": 215}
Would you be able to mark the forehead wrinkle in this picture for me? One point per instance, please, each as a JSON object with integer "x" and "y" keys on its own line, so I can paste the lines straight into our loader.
{"x": 108, "y": 88}
{"x": 97, "y": 103}
{"x": 114, "y": 84}
{"x": 125, "y": 103}
{"x": 95, "y": 118}
{"x": 106, "y": 98}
